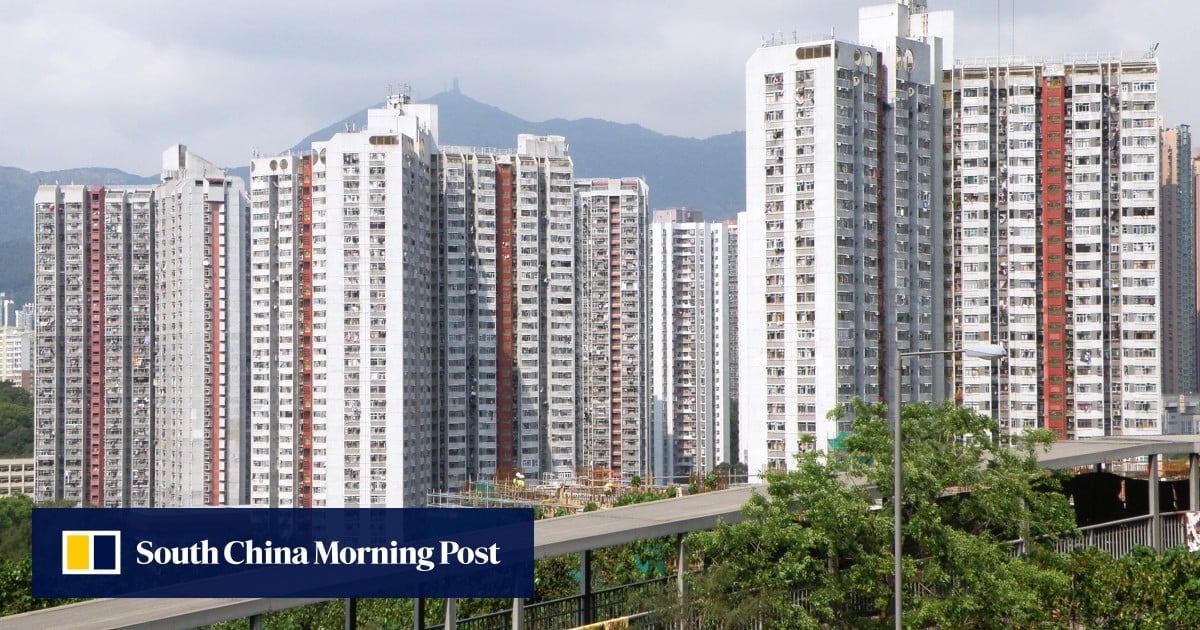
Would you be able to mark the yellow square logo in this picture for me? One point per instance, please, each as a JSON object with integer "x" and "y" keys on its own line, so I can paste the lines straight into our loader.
{"x": 91, "y": 552}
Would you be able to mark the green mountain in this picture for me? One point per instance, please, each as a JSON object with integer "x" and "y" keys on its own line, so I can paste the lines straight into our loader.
{"x": 17, "y": 187}
{"x": 707, "y": 174}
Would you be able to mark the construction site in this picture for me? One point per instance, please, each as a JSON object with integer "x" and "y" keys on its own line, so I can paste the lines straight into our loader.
{"x": 556, "y": 496}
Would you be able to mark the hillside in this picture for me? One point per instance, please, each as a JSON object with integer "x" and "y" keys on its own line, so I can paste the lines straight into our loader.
{"x": 707, "y": 174}
{"x": 17, "y": 187}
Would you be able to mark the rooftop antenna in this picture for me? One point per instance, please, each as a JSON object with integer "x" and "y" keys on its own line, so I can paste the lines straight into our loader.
{"x": 1153, "y": 51}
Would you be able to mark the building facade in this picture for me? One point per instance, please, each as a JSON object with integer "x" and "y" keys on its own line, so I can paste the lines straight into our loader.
{"x": 200, "y": 316}
{"x": 346, "y": 392}
{"x": 842, "y": 233}
{"x": 692, "y": 289}
{"x": 138, "y": 381}
{"x": 1181, "y": 414}
{"x": 16, "y": 477}
{"x": 94, "y": 346}
{"x": 1055, "y": 197}
{"x": 1178, "y": 262}
{"x": 16, "y": 354}
{"x": 611, "y": 316}
{"x": 510, "y": 319}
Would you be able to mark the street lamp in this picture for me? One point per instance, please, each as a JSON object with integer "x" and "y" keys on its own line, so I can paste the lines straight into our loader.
{"x": 991, "y": 352}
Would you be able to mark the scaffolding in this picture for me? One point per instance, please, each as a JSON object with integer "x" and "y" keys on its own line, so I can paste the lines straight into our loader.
{"x": 554, "y": 496}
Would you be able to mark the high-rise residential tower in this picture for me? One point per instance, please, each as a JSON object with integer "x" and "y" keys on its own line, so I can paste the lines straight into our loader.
{"x": 1178, "y": 211}
{"x": 201, "y": 411}
{"x": 16, "y": 355}
{"x": 1054, "y": 168}
{"x": 840, "y": 246}
{"x": 346, "y": 294}
{"x": 510, "y": 323}
{"x": 1195, "y": 162}
{"x": 94, "y": 352}
{"x": 612, "y": 326}
{"x": 139, "y": 381}
{"x": 692, "y": 291}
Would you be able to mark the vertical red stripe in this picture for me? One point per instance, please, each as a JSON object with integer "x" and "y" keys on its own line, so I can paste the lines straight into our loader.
{"x": 614, "y": 306}
{"x": 1054, "y": 254}
{"x": 95, "y": 349}
{"x": 506, "y": 356}
{"x": 306, "y": 333}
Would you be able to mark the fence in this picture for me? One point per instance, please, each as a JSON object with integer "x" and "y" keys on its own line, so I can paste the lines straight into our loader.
{"x": 629, "y": 600}
{"x": 1120, "y": 537}
{"x": 1117, "y": 537}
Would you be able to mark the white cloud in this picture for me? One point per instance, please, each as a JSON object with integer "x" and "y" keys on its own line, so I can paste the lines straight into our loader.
{"x": 114, "y": 83}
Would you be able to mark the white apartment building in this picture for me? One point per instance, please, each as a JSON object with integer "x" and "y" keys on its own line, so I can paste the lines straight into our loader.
{"x": 283, "y": 470}
{"x": 613, "y": 331}
{"x": 693, "y": 349}
{"x": 1055, "y": 194}
{"x": 16, "y": 476}
{"x": 138, "y": 377}
{"x": 509, "y": 233}
{"x": 372, "y": 326}
{"x": 94, "y": 345}
{"x": 199, "y": 319}
{"x": 16, "y": 353}
{"x": 840, "y": 247}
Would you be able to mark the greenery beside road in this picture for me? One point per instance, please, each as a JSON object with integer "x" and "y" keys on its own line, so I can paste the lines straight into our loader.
{"x": 16, "y": 564}
{"x": 16, "y": 421}
{"x": 965, "y": 497}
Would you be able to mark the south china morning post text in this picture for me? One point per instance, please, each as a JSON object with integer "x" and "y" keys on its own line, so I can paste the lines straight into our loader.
{"x": 258, "y": 552}
{"x": 251, "y": 552}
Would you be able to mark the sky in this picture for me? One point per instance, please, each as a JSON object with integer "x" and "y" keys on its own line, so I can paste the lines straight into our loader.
{"x": 114, "y": 83}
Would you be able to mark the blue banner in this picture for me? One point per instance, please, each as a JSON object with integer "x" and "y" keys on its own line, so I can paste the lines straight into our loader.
{"x": 260, "y": 552}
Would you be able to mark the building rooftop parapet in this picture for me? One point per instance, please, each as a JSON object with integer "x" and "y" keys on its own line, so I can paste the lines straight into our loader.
{"x": 780, "y": 38}
{"x": 1070, "y": 58}
{"x": 454, "y": 148}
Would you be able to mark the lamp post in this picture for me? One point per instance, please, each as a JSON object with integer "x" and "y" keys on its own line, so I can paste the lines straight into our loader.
{"x": 992, "y": 352}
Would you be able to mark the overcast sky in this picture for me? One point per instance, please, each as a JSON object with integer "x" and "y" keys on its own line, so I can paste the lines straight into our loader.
{"x": 114, "y": 83}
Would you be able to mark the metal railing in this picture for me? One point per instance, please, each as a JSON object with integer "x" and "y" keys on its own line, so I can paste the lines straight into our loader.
{"x": 619, "y": 601}
{"x": 1116, "y": 537}
{"x": 1119, "y": 538}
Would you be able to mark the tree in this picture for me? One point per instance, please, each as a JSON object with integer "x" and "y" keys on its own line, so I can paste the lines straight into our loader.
{"x": 16, "y": 526}
{"x": 16, "y": 421}
{"x": 817, "y": 530}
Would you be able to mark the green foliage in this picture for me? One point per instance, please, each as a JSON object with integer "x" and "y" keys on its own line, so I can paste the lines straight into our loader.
{"x": 16, "y": 527}
{"x": 16, "y": 421}
{"x": 815, "y": 530}
{"x": 591, "y": 507}
{"x": 16, "y": 588}
{"x": 640, "y": 496}
{"x": 16, "y": 565}
{"x": 1140, "y": 590}
{"x": 735, "y": 472}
